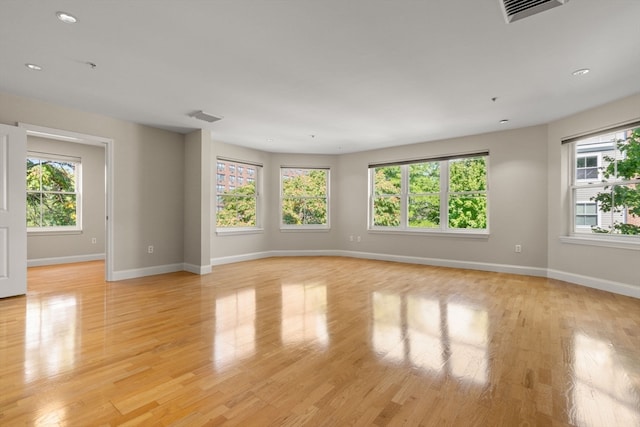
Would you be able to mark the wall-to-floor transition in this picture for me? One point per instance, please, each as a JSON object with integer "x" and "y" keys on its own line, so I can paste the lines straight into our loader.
{"x": 163, "y": 195}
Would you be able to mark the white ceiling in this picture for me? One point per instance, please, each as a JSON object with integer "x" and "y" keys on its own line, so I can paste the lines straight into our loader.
{"x": 357, "y": 74}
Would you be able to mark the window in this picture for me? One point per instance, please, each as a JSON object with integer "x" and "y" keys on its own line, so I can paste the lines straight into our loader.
{"x": 304, "y": 198}
{"x": 605, "y": 186}
{"x": 240, "y": 169}
{"x": 586, "y": 214}
{"x": 221, "y": 166}
{"x": 232, "y": 168}
{"x": 53, "y": 192}
{"x": 237, "y": 205}
{"x": 587, "y": 167}
{"x": 220, "y": 177}
{"x": 251, "y": 171}
{"x": 448, "y": 194}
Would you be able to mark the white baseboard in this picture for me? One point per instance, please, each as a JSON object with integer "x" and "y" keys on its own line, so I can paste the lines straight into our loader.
{"x": 605, "y": 285}
{"x": 197, "y": 269}
{"x": 500, "y": 268}
{"x": 147, "y": 271}
{"x": 439, "y": 262}
{"x": 239, "y": 258}
{"x": 593, "y": 282}
{"x": 36, "y": 262}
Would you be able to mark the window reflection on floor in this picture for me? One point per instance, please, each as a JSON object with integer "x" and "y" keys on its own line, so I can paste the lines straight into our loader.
{"x": 387, "y": 326}
{"x": 468, "y": 342}
{"x": 51, "y": 337}
{"x": 235, "y": 327}
{"x": 431, "y": 334}
{"x": 603, "y": 393}
{"x": 423, "y": 318}
{"x": 304, "y": 314}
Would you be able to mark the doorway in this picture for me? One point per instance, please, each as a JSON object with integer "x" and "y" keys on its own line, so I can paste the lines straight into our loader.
{"x": 99, "y": 142}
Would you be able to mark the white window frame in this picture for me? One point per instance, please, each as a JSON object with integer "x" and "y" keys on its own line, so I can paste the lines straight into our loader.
{"x": 306, "y": 227}
{"x": 257, "y": 175}
{"x": 598, "y": 156}
{"x": 77, "y": 161}
{"x": 444, "y": 195}
{"x": 577, "y": 234}
{"x": 598, "y": 214}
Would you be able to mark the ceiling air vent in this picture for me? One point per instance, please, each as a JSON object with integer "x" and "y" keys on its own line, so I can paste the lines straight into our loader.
{"x": 201, "y": 115}
{"x": 514, "y": 10}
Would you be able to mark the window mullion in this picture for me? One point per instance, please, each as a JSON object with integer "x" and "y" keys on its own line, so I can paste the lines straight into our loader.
{"x": 404, "y": 197}
{"x": 444, "y": 195}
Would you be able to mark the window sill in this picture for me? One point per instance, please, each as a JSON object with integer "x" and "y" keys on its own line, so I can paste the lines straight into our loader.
{"x": 238, "y": 231}
{"x": 52, "y": 232}
{"x": 620, "y": 242}
{"x": 303, "y": 229}
{"x": 484, "y": 234}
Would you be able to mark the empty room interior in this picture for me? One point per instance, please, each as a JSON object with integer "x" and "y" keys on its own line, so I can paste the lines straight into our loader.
{"x": 285, "y": 213}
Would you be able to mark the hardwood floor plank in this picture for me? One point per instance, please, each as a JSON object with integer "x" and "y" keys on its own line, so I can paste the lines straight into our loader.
{"x": 317, "y": 341}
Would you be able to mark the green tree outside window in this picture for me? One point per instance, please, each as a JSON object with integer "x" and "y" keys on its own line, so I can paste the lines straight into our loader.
{"x": 52, "y": 198}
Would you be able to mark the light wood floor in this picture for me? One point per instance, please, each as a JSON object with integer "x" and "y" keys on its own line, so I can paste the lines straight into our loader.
{"x": 317, "y": 341}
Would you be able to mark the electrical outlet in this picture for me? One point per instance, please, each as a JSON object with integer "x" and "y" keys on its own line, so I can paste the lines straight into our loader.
{"x": 351, "y": 238}
{"x": 150, "y": 249}
{"x": 94, "y": 240}
{"x": 518, "y": 248}
{"x": 359, "y": 239}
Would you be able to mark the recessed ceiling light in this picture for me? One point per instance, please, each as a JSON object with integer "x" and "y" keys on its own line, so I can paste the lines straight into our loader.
{"x": 66, "y": 17}
{"x": 581, "y": 72}
{"x": 504, "y": 121}
{"x": 33, "y": 67}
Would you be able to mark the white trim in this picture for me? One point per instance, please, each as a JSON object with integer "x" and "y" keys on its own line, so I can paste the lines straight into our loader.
{"x": 107, "y": 144}
{"x": 595, "y": 283}
{"x": 147, "y": 271}
{"x": 591, "y": 282}
{"x": 36, "y": 262}
{"x": 197, "y": 269}
{"x": 239, "y": 258}
{"x": 498, "y": 268}
{"x": 604, "y": 240}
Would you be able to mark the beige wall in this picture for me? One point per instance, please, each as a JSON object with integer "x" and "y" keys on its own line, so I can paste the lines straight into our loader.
{"x": 517, "y": 201}
{"x": 517, "y": 174}
{"x": 159, "y": 198}
{"x": 93, "y": 204}
{"x": 610, "y": 264}
{"x": 148, "y": 178}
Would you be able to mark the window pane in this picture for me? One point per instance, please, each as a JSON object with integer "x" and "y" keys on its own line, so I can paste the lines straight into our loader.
{"x": 591, "y": 173}
{"x": 301, "y": 183}
{"x": 235, "y": 210}
{"x": 58, "y": 176}
{"x": 424, "y": 178}
{"x": 58, "y": 210}
{"x": 33, "y": 209}
{"x": 468, "y": 211}
{"x": 33, "y": 174}
{"x": 237, "y": 198}
{"x": 468, "y": 174}
{"x": 386, "y": 211}
{"x": 424, "y": 211}
{"x": 581, "y": 162}
{"x": 387, "y": 180}
{"x": 297, "y": 211}
{"x": 591, "y": 161}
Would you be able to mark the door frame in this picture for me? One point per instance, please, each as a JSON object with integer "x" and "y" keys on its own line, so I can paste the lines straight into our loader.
{"x": 107, "y": 144}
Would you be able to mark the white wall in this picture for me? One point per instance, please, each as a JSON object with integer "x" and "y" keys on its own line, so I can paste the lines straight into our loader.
{"x": 582, "y": 263}
{"x": 67, "y": 247}
{"x": 148, "y": 181}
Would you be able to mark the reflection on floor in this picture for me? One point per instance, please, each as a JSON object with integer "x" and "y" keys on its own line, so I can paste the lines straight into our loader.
{"x": 317, "y": 341}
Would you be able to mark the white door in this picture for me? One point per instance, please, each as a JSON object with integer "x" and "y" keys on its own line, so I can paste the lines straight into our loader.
{"x": 13, "y": 211}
